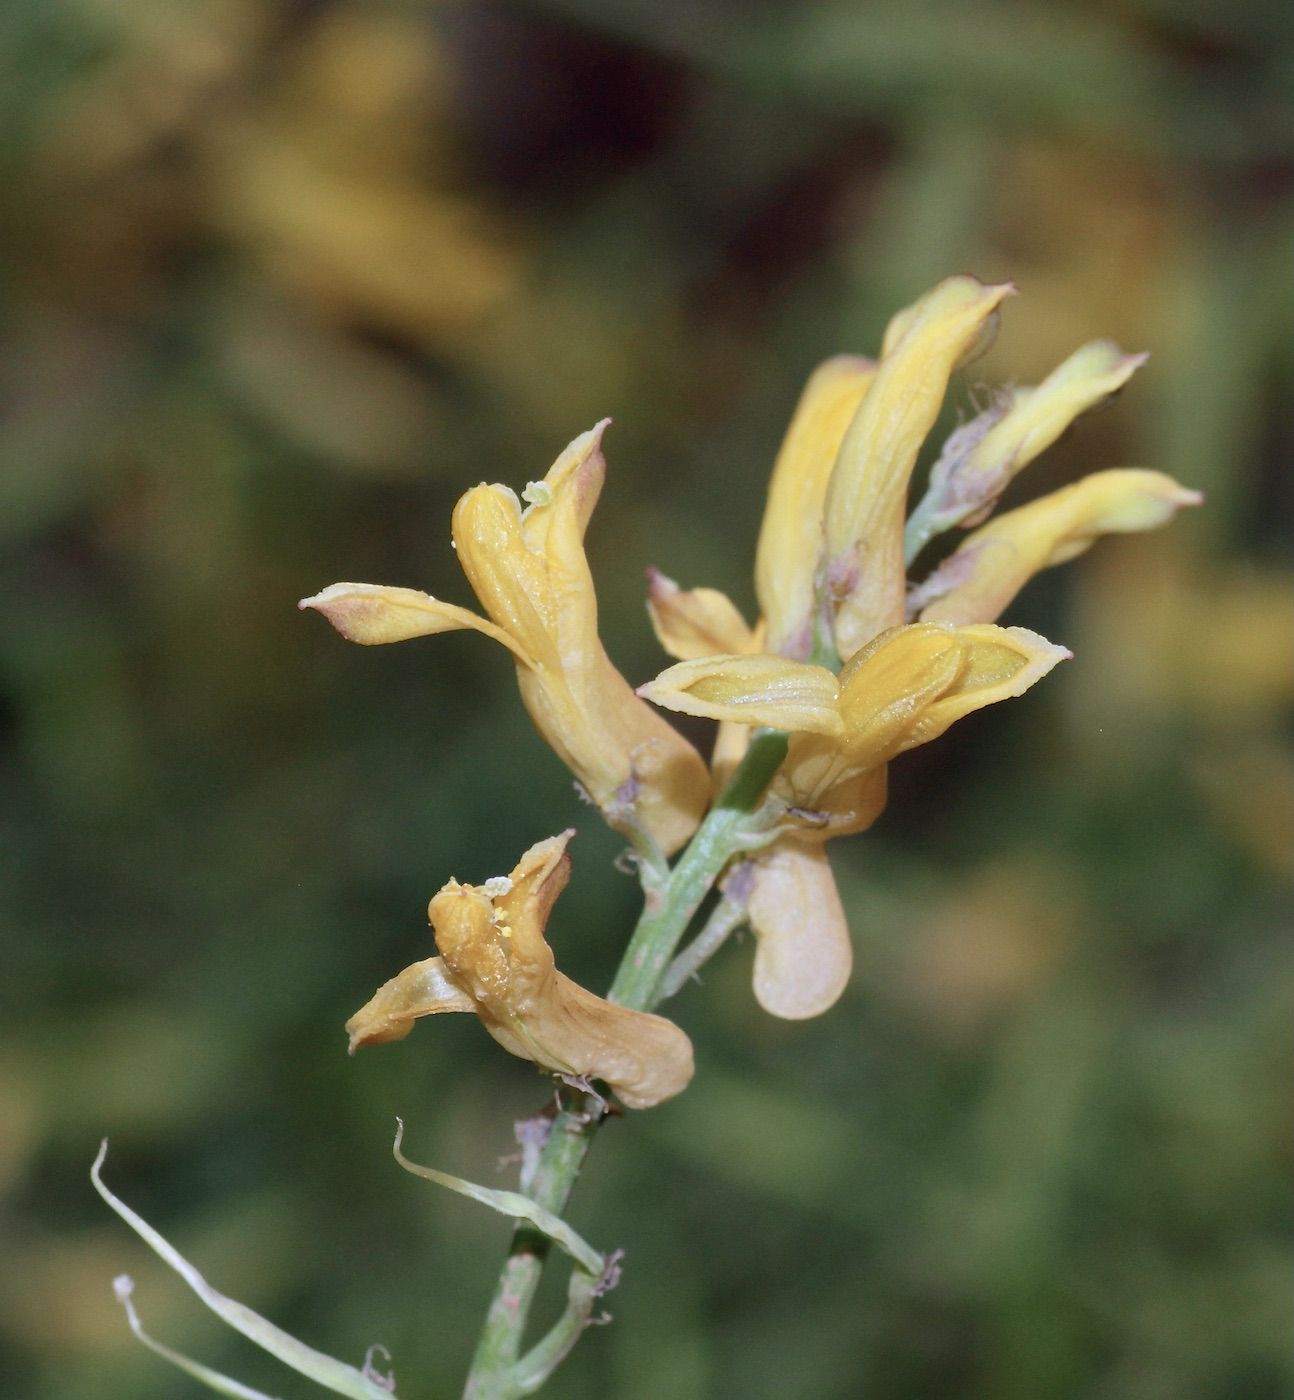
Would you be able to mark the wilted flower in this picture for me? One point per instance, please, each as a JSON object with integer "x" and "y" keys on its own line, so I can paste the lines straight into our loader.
{"x": 831, "y": 581}
{"x": 494, "y": 961}
{"x": 529, "y": 571}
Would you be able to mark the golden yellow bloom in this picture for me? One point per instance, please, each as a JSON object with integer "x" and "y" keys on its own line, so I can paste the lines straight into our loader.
{"x": 529, "y": 570}
{"x": 977, "y": 582}
{"x": 494, "y": 961}
{"x": 867, "y": 494}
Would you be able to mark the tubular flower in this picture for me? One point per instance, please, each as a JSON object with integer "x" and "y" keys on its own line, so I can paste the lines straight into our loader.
{"x": 830, "y": 577}
{"x": 980, "y": 459}
{"x": 977, "y": 582}
{"x": 529, "y": 571}
{"x": 494, "y": 961}
{"x": 790, "y": 539}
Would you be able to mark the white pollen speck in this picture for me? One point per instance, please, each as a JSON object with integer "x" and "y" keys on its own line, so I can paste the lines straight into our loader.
{"x": 499, "y": 884}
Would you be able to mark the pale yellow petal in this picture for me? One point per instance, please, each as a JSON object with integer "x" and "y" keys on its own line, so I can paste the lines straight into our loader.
{"x": 904, "y": 689}
{"x": 867, "y": 494}
{"x": 977, "y": 582}
{"x": 373, "y": 615}
{"x": 1000, "y": 663}
{"x": 762, "y": 689}
{"x": 790, "y": 540}
{"x": 695, "y": 622}
{"x": 804, "y": 957}
{"x": 424, "y": 989}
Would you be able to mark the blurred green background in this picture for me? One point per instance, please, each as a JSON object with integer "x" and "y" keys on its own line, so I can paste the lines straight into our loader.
{"x": 281, "y": 280}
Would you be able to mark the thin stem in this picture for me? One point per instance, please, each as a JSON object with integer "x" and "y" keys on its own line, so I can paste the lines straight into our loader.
{"x": 499, "y": 1372}
{"x": 726, "y": 916}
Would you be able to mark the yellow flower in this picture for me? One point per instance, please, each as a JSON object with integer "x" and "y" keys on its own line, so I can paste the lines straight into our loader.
{"x": 830, "y": 570}
{"x": 529, "y": 571}
{"x": 977, "y": 582}
{"x": 790, "y": 539}
{"x": 980, "y": 459}
{"x": 494, "y": 961}
{"x": 903, "y": 689}
{"x": 868, "y": 490}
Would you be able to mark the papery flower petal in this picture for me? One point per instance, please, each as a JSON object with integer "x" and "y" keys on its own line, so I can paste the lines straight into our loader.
{"x": 979, "y": 460}
{"x": 977, "y": 582}
{"x": 789, "y": 554}
{"x": 493, "y": 947}
{"x": 695, "y": 622}
{"x": 531, "y": 575}
{"x": 804, "y": 957}
{"x": 374, "y": 615}
{"x": 867, "y": 494}
{"x": 423, "y": 989}
{"x": 762, "y": 689}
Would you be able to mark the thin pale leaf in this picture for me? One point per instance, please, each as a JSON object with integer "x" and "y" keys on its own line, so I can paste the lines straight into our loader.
{"x": 510, "y": 1203}
{"x": 123, "y": 1286}
{"x": 330, "y": 1373}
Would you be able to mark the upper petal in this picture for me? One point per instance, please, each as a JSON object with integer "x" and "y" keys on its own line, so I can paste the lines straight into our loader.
{"x": 790, "y": 539}
{"x": 977, "y": 582}
{"x": 867, "y": 494}
{"x": 695, "y": 622}
{"x": 760, "y": 689}
{"x": 944, "y": 672}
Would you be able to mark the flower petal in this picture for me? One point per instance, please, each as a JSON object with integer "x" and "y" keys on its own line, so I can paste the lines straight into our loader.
{"x": 423, "y": 989}
{"x": 999, "y": 663}
{"x": 804, "y": 956}
{"x": 695, "y": 622}
{"x": 980, "y": 459}
{"x": 977, "y": 582}
{"x": 867, "y": 494}
{"x": 761, "y": 689}
{"x": 790, "y": 539}
{"x": 373, "y": 615}
{"x": 904, "y": 689}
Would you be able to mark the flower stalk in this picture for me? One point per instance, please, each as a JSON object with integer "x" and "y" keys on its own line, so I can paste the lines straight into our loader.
{"x": 499, "y": 1371}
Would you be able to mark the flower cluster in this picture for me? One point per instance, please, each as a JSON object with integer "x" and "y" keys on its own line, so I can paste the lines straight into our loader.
{"x": 849, "y": 660}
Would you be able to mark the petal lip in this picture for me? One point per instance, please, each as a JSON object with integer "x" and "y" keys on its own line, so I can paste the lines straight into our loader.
{"x": 758, "y": 689}
{"x": 993, "y": 564}
{"x": 372, "y": 614}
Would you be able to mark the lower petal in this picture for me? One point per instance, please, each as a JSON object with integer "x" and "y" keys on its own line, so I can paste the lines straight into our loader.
{"x": 804, "y": 957}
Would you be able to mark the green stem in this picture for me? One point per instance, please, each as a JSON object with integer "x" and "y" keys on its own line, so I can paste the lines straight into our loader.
{"x": 499, "y": 1372}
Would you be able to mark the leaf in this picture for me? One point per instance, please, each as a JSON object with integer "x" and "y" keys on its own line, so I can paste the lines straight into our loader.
{"x": 510, "y": 1203}
{"x": 334, "y": 1375}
